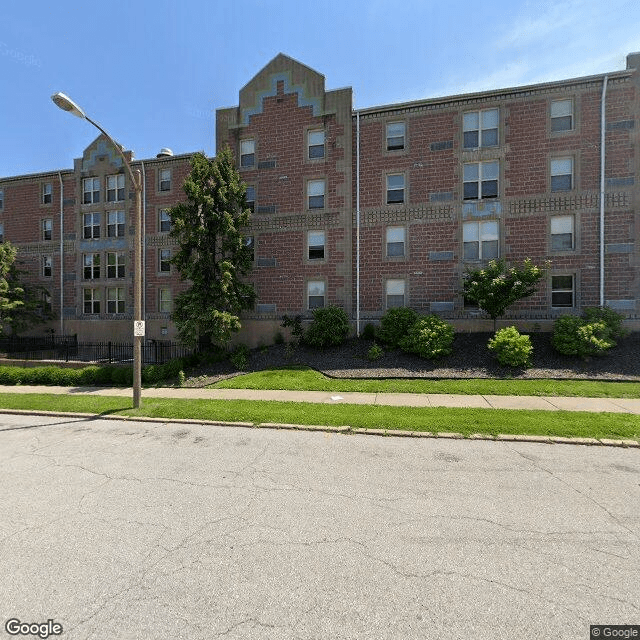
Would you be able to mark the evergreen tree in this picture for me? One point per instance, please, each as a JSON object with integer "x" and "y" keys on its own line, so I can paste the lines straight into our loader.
{"x": 213, "y": 255}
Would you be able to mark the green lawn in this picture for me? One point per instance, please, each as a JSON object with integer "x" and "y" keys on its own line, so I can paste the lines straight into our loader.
{"x": 306, "y": 379}
{"x": 465, "y": 421}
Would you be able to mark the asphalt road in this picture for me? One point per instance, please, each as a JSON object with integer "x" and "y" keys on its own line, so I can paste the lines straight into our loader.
{"x": 132, "y": 530}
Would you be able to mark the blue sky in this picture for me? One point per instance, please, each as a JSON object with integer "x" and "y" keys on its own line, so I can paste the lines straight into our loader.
{"x": 153, "y": 72}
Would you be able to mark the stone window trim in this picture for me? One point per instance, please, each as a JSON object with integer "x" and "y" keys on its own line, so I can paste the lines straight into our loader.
{"x": 316, "y": 193}
{"x": 481, "y": 128}
{"x": 395, "y": 292}
{"x": 558, "y": 176}
{"x": 396, "y": 189}
{"x": 563, "y": 288}
{"x": 395, "y": 243}
{"x": 316, "y": 246}
{"x": 46, "y": 192}
{"x": 315, "y": 144}
{"x": 562, "y": 116}
{"x": 395, "y": 140}
{"x": 563, "y": 234}
{"x": 315, "y": 293}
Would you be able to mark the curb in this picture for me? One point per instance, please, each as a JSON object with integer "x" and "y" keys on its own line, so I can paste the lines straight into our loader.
{"x": 345, "y": 429}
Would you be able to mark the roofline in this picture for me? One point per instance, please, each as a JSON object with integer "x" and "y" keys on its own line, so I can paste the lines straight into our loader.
{"x": 492, "y": 93}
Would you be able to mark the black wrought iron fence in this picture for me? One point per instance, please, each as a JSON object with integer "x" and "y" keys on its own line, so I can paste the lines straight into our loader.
{"x": 67, "y": 348}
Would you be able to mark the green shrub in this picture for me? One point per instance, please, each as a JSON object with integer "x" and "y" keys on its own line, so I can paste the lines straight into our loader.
{"x": 295, "y": 324}
{"x": 611, "y": 318}
{"x": 429, "y": 337}
{"x": 511, "y": 348}
{"x": 240, "y": 357}
{"x": 182, "y": 379}
{"x": 330, "y": 326}
{"x": 574, "y": 336}
{"x": 369, "y": 332}
{"x": 375, "y": 353}
{"x": 395, "y": 325}
{"x": 278, "y": 338}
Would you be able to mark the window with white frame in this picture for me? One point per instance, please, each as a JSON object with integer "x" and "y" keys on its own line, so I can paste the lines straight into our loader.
{"x": 91, "y": 225}
{"x": 47, "y": 266}
{"x": 91, "y": 190}
{"x": 247, "y": 153}
{"x": 115, "y": 299}
{"x": 47, "y": 193}
{"x": 115, "y": 224}
{"x": 164, "y": 221}
{"x": 315, "y": 144}
{"x": 115, "y": 264}
{"x": 164, "y": 180}
{"x": 249, "y": 242}
{"x": 562, "y": 233}
{"x": 91, "y": 299}
{"x": 315, "y": 194}
{"x": 115, "y": 188}
{"x": 395, "y": 241}
{"x": 316, "y": 243}
{"x": 395, "y": 136}
{"x": 561, "y": 115}
{"x": 481, "y": 180}
{"x": 251, "y": 198}
{"x": 480, "y": 128}
{"x": 164, "y": 257}
{"x": 47, "y": 229}
{"x": 561, "y": 174}
{"x": 164, "y": 300}
{"x": 91, "y": 266}
{"x": 480, "y": 240}
{"x": 562, "y": 291}
{"x": 395, "y": 188}
{"x": 315, "y": 294}
{"x": 395, "y": 293}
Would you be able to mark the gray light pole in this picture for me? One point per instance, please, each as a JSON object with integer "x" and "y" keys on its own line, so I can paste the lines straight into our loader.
{"x": 66, "y": 104}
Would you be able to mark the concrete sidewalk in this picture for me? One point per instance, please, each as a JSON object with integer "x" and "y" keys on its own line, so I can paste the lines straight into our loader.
{"x": 594, "y": 405}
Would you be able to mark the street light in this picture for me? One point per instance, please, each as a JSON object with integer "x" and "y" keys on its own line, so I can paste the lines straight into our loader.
{"x": 67, "y": 104}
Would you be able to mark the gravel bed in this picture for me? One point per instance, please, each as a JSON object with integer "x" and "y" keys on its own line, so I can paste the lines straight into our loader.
{"x": 470, "y": 359}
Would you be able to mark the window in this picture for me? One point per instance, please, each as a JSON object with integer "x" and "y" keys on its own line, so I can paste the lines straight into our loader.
{"x": 164, "y": 256}
{"x": 562, "y": 291}
{"x": 1, "y": 198}
{"x": 247, "y": 153}
{"x": 561, "y": 115}
{"x": 249, "y": 242}
{"x": 47, "y": 266}
{"x": 91, "y": 225}
{"x": 47, "y": 193}
{"x": 315, "y": 290}
{"x": 115, "y": 300}
{"x": 481, "y": 180}
{"x": 165, "y": 179}
{"x": 115, "y": 224}
{"x": 316, "y": 144}
{"x": 91, "y": 266}
{"x": 47, "y": 229}
{"x": 45, "y": 302}
{"x": 115, "y": 188}
{"x": 316, "y": 242}
{"x": 115, "y": 264}
{"x": 164, "y": 221}
{"x": 395, "y": 293}
{"x": 395, "y": 241}
{"x": 562, "y": 233}
{"x": 164, "y": 300}
{"x": 562, "y": 174}
{"x": 91, "y": 299}
{"x": 90, "y": 190}
{"x": 480, "y": 129}
{"x": 395, "y": 136}
{"x": 480, "y": 240}
{"x": 395, "y": 188}
{"x": 1, "y": 231}
{"x": 315, "y": 194}
{"x": 251, "y": 199}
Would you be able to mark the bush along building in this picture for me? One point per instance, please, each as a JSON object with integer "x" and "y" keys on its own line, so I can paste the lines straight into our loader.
{"x": 367, "y": 210}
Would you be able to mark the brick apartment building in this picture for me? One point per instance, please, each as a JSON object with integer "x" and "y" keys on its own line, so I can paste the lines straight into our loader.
{"x": 367, "y": 209}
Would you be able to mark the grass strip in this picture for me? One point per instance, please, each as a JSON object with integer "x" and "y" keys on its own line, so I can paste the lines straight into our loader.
{"x": 306, "y": 379}
{"x": 465, "y": 421}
